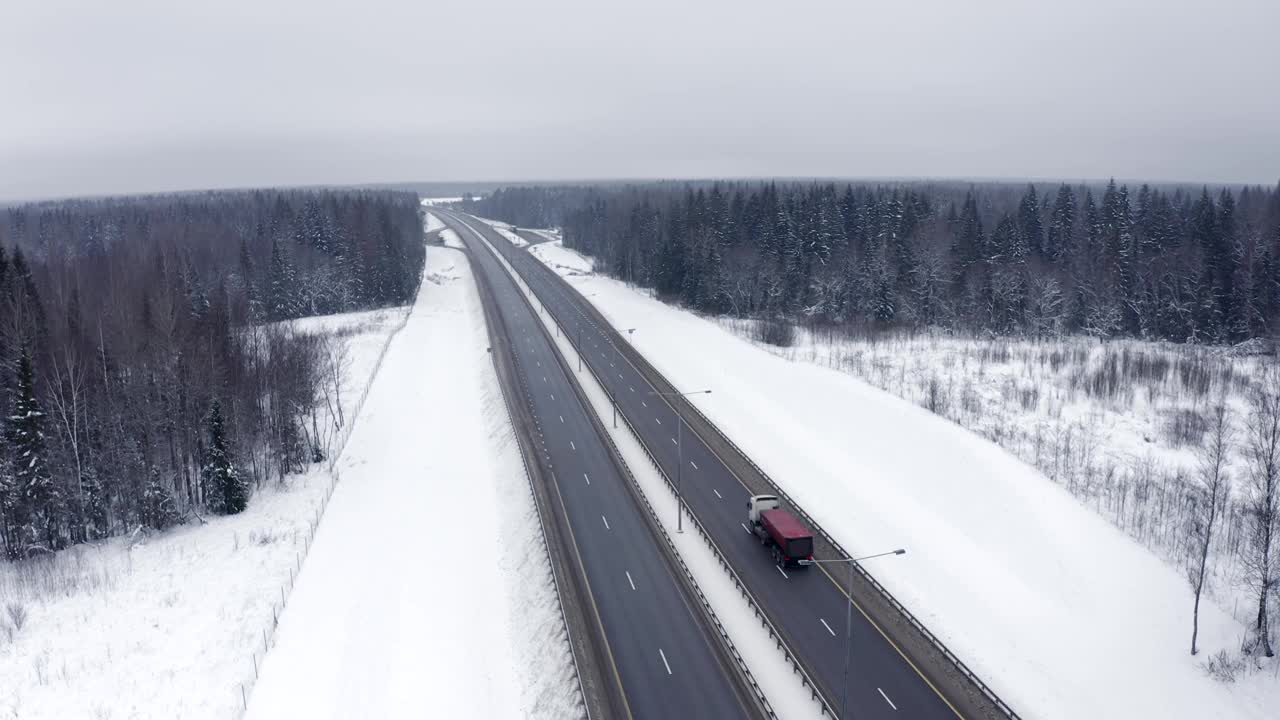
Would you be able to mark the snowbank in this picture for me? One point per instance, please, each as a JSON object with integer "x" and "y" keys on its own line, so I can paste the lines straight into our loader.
{"x": 451, "y": 239}
{"x": 1064, "y": 615}
{"x": 565, "y": 262}
{"x": 433, "y": 224}
{"x": 427, "y": 587}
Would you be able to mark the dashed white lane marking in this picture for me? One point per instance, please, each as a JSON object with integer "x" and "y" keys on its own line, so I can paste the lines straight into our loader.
{"x": 606, "y": 522}
{"x": 584, "y": 477}
{"x": 828, "y": 627}
{"x": 644, "y": 403}
{"x": 659, "y": 420}
{"x": 886, "y": 699}
{"x": 632, "y": 389}
{"x": 664, "y": 660}
{"x": 784, "y": 574}
{"x": 694, "y": 464}
{"x": 673, "y": 442}
{"x": 744, "y": 527}
{"x": 631, "y": 582}
{"x": 575, "y": 447}
{"x": 562, "y": 419}
{"x": 553, "y": 396}
{"x": 544, "y": 378}
{"x": 717, "y": 492}
{"x": 619, "y": 376}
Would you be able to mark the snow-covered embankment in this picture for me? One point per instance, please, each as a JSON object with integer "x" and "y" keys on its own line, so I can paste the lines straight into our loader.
{"x": 426, "y": 591}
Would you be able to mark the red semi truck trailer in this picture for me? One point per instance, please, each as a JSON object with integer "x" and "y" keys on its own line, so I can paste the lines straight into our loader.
{"x": 787, "y": 538}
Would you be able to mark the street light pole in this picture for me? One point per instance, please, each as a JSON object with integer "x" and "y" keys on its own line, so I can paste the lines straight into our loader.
{"x": 679, "y": 451}
{"x": 679, "y": 471}
{"x": 848, "y": 619}
{"x": 613, "y": 397}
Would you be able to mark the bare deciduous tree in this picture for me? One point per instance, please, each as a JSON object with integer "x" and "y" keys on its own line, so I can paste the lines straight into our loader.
{"x": 1262, "y": 451}
{"x": 1213, "y": 490}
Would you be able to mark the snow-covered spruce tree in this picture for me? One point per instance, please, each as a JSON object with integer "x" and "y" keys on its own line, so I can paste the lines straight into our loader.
{"x": 35, "y": 496}
{"x": 8, "y": 508}
{"x": 225, "y": 491}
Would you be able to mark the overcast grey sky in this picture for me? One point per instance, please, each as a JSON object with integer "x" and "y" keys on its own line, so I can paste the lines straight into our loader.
{"x": 141, "y": 95}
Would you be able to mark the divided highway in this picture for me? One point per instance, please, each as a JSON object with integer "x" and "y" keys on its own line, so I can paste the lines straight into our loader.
{"x": 806, "y": 605}
{"x": 658, "y": 645}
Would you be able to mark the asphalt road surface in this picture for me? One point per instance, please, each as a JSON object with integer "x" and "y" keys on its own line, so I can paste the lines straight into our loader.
{"x": 661, "y": 651}
{"x": 882, "y": 682}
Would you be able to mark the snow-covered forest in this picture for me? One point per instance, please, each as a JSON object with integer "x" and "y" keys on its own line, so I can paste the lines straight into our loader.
{"x": 1174, "y": 263}
{"x": 145, "y": 378}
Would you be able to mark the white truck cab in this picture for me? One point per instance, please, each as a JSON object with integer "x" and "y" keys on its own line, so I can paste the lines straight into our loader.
{"x": 758, "y": 504}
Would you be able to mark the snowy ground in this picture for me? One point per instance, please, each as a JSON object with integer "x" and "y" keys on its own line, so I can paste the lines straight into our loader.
{"x": 166, "y": 626}
{"x": 1118, "y": 424}
{"x": 427, "y": 592}
{"x": 434, "y": 224}
{"x": 451, "y": 239}
{"x": 565, "y": 262}
{"x": 1054, "y": 606}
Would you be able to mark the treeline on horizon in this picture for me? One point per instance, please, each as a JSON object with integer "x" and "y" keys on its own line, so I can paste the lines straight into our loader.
{"x": 1168, "y": 263}
{"x": 144, "y": 375}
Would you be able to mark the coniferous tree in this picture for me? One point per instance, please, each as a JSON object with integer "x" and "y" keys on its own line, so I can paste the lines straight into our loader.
{"x": 36, "y": 499}
{"x": 1137, "y": 264}
{"x": 1058, "y": 240}
{"x": 225, "y": 490}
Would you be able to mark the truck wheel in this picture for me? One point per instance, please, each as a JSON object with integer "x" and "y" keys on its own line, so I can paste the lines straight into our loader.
{"x": 777, "y": 556}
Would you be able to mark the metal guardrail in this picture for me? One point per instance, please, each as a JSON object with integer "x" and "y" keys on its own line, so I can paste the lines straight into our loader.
{"x": 892, "y": 601}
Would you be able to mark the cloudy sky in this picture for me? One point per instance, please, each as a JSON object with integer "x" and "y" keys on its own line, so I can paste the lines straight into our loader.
{"x": 142, "y": 95}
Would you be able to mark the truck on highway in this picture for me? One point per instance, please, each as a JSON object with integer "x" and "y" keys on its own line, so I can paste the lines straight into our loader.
{"x": 786, "y": 537}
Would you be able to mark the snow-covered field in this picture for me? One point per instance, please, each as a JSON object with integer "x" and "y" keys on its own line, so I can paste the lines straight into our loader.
{"x": 441, "y": 200}
{"x": 1060, "y": 611}
{"x": 427, "y": 591}
{"x": 166, "y": 626}
{"x": 1118, "y": 423}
